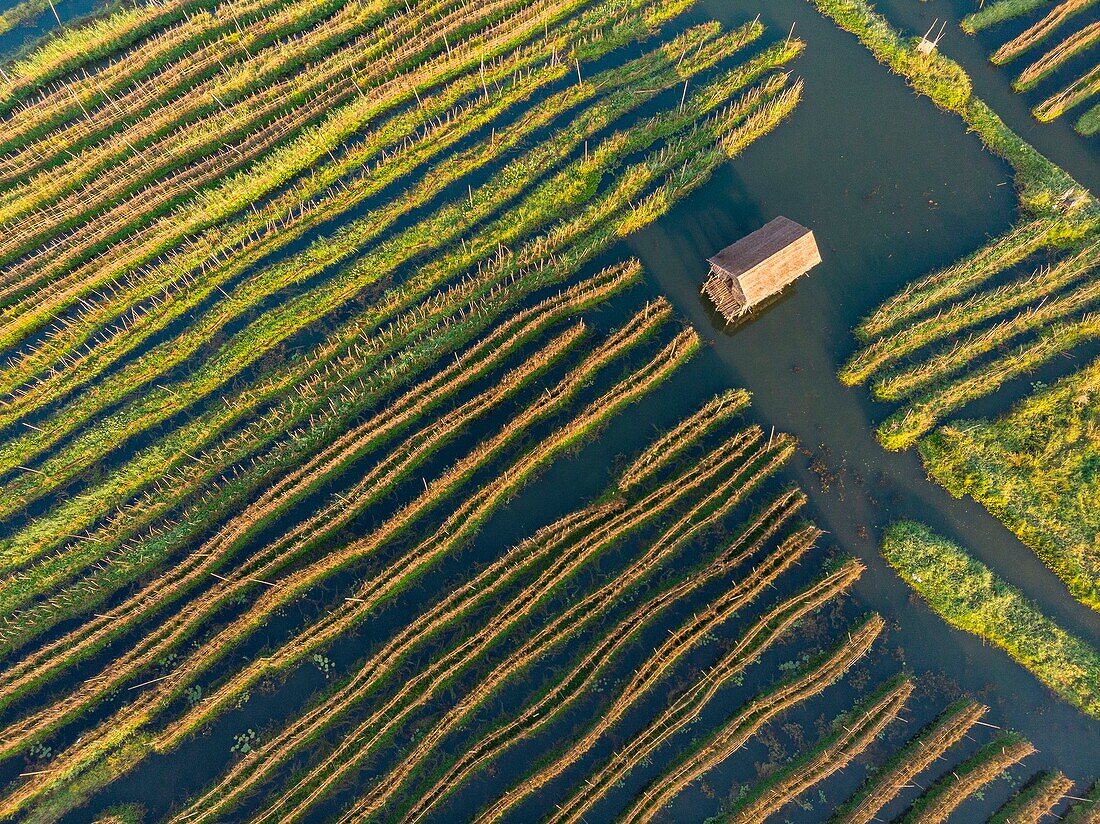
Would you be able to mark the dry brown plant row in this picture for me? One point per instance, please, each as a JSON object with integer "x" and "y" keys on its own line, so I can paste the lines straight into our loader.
{"x": 247, "y": 773}
{"x": 1053, "y": 59}
{"x": 375, "y": 483}
{"x": 277, "y": 497}
{"x": 118, "y": 734}
{"x": 837, "y": 754}
{"x": 1039, "y": 31}
{"x": 1035, "y": 801}
{"x": 687, "y": 432}
{"x": 762, "y": 527}
{"x": 914, "y": 758}
{"x": 944, "y": 797}
{"x": 740, "y": 727}
{"x": 764, "y": 462}
{"x": 750, "y": 719}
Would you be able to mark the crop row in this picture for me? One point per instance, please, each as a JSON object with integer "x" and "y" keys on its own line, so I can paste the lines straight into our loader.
{"x": 852, "y": 734}
{"x": 457, "y": 528}
{"x": 808, "y": 681}
{"x": 404, "y": 141}
{"x": 669, "y": 446}
{"x": 84, "y": 214}
{"x": 191, "y": 87}
{"x": 612, "y": 525}
{"x": 751, "y": 539}
{"x": 600, "y": 224}
{"x": 356, "y": 442}
{"x": 131, "y": 83}
{"x": 1035, "y": 801}
{"x": 553, "y": 196}
{"x": 625, "y": 89}
{"x": 917, "y": 755}
{"x": 943, "y": 797}
{"x": 579, "y": 615}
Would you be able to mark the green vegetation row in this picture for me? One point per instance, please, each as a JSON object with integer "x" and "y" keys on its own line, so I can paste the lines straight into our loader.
{"x": 217, "y": 75}
{"x": 120, "y": 87}
{"x": 625, "y": 88}
{"x": 86, "y": 216}
{"x": 199, "y": 267}
{"x": 1035, "y": 470}
{"x": 968, "y": 595}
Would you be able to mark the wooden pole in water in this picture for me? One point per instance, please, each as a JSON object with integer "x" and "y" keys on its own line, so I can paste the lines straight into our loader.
{"x": 55, "y": 14}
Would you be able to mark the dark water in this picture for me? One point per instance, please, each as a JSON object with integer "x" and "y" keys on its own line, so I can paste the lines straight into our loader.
{"x": 892, "y": 188}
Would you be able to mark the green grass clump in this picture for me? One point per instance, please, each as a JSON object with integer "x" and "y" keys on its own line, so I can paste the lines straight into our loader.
{"x": 969, "y": 596}
{"x": 998, "y": 12}
{"x": 1038, "y": 470}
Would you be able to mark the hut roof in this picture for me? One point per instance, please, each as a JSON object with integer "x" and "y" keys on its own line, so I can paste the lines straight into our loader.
{"x": 764, "y": 262}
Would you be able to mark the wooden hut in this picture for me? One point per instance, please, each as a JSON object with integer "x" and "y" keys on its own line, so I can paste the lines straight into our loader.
{"x": 760, "y": 265}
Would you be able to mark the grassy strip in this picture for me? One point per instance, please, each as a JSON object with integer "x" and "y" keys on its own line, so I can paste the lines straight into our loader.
{"x": 170, "y": 60}
{"x": 972, "y": 311}
{"x": 369, "y": 735}
{"x": 968, "y": 595}
{"x": 1034, "y": 469}
{"x": 216, "y": 75}
{"x": 668, "y": 447}
{"x": 915, "y": 757}
{"x": 1039, "y": 31}
{"x": 998, "y": 12}
{"x": 1076, "y": 93}
{"x": 759, "y": 465}
{"x": 808, "y": 681}
{"x": 945, "y": 796}
{"x": 71, "y": 48}
{"x": 553, "y": 196}
{"x": 65, "y": 284}
{"x": 1088, "y": 124}
{"x": 1035, "y": 801}
{"x": 851, "y": 734}
{"x": 615, "y": 523}
{"x": 1050, "y": 62}
{"x": 112, "y": 190}
{"x": 222, "y": 253}
{"x": 751, "y": 538}
{"x": 903, "y": 428}
{"x": 939, "y": 365}
{"x": 622, "y": 90}
{"x": 123, "y": 734}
